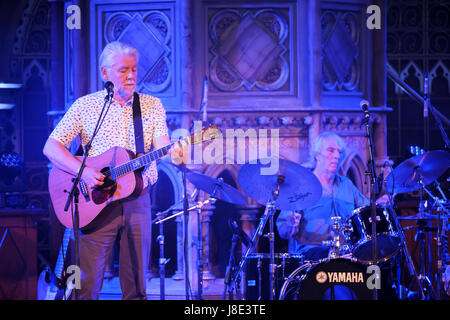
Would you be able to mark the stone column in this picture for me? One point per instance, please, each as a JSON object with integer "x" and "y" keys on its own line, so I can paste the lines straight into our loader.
{"x": 207, "y": 212}
{"x": 193, "y": 245}
{"x": 57, "y": 55}
{"x": 378, "y": 86}
{"x": 179, "y": 274}
{"x": 378, "y": 58}
{"x": 57, "y": 105}
{"x": 80, "y": 54}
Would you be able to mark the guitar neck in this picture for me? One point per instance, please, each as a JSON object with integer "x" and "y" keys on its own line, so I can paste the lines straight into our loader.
{"x": 139, "y": 162}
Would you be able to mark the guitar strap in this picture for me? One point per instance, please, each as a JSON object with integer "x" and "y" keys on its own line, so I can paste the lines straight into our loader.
{"x": 137, "y": 122}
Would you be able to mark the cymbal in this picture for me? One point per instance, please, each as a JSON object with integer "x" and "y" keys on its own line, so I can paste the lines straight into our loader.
{"x": 223, "y": 191}
{"x": 299, "y": 187}
{"x": 428, "y": 166}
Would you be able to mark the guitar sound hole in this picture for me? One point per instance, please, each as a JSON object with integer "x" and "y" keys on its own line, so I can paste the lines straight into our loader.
{"x": 102, "y": 193}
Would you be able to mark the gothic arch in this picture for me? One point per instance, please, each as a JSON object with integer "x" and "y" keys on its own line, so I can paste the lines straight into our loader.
{"x": 354, "y": 168}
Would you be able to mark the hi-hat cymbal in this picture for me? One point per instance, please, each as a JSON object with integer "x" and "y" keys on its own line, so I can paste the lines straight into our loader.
{"x": 428, "y": 167}
{"x": 216, "y": 187}
{"x": 299, "y": 188}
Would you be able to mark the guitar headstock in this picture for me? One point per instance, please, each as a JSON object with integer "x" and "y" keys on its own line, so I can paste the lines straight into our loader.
{"x": 206, "y": 134}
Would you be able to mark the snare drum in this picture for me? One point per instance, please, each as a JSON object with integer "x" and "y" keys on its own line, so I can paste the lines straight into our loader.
{"x": 328, "y": 279}
{"x": 257, "y": 273}
{"x": 360, "y": 238}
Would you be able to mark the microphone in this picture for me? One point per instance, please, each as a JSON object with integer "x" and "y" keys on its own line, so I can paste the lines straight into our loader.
{"x": 426, "y": 93}
{"x": 205, "y": 98}
{"x": 364, "y": 104}
{"x": 109, "y": 86}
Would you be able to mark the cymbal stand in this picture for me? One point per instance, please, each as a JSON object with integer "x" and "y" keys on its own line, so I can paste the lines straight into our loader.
{"x": 199, "y": 204}
{"x": 336, "y": 247}
{"x": 160, "y": 217}
{"x": 162, "y": 260}
{"x": 409, "y": 263}
{"x": 211, "y": 199}
{"x": 439, "y": 238}
{"x": 268, "y": 215}
{"x": 231, "y": 268}
{"x": 423, "y": 277}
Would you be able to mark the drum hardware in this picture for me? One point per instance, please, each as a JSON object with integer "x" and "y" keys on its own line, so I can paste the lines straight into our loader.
{"x": 257, "y": 273}
{"x": 375, "y": 184}
{"x": 162, "y": 260}
{"x": 413, "y": 174}
{"x": 440, "y": 210}
{"x": 217, "y": 189}
{"x": 231, "y": 267}
{"x": 267, "y": 216}
{"x": 406, "y": 254}
{"x": 424, "y": 276}
{"x": 338, "y": 230}
{"x": 292, "y": 187}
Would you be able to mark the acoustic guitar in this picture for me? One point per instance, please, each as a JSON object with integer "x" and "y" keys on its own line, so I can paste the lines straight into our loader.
{"x": 123, "y": 179}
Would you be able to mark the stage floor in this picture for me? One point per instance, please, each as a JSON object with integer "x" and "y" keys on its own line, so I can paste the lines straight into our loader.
{"x": 174, "y": 289}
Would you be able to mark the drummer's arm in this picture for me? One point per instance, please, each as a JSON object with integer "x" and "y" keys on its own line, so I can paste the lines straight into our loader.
{"x": 288, "y": 223}
{"x": 383, "y": 200}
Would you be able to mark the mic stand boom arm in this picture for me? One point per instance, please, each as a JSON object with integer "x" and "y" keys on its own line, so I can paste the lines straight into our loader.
{"x": 412, "y": 93}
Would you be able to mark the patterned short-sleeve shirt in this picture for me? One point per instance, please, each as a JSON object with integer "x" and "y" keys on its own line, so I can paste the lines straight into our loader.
{"x": 117, "y": 130}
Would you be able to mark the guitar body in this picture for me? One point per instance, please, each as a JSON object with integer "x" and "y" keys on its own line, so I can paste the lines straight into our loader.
{"x": 60, "y": 184}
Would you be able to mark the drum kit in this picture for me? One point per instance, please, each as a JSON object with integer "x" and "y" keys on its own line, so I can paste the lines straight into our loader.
{"x": 344, "y": 273}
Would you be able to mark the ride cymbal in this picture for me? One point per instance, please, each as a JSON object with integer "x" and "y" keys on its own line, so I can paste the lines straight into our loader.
{"x": 298, "y": 187}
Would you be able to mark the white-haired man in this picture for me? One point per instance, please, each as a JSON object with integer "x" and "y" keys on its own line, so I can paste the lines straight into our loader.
{"x": 307, "y": 230}
{"x": 130, "y": 221}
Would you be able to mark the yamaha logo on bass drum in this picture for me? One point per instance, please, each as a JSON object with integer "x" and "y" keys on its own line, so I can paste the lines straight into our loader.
{"x": 339, "y": 277}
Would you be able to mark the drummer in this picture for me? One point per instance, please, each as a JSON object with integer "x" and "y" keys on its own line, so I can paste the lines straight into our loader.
{"x": 307, "y": 230}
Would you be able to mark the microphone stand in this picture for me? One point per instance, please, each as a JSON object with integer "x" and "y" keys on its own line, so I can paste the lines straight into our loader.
{"x": 75, "y": 192}
{"x": 162, "y": 260}
{"x": 412, "y": 93}
{"x": 426, "y": 119}
{"x": 230, "y": 268}
{"x": 186, "y": 217}
{"x": 373, "y": 193}
{"x": 185, "y": 202}
{"x": 267, "y": 216}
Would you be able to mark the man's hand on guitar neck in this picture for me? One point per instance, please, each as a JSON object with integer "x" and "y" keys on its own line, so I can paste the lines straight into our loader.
{"x": 179, "y": 153}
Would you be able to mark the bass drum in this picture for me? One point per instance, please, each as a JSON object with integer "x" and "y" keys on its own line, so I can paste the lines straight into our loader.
{"x": 328, "y": 279}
